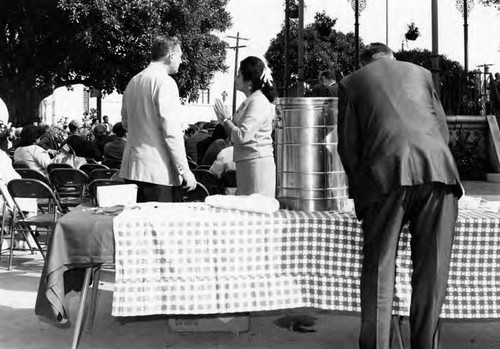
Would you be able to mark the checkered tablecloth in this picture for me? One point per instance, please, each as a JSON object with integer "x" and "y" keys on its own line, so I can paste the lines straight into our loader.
{"x": 194, "y": 259}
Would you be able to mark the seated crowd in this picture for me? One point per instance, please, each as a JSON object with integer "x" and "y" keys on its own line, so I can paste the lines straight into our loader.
{"x": 38, "y": 146}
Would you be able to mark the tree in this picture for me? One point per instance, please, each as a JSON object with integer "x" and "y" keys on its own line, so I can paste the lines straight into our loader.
{"x": 493, "y": 3}
{"x": 46, "y": 44}
{"x": 325, "y": 48}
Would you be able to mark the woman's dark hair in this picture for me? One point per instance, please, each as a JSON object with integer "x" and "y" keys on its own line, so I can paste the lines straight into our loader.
{"x": 29, "y": 135}
{"x": 119, "y": 130}
{"x": 252, "y": 68}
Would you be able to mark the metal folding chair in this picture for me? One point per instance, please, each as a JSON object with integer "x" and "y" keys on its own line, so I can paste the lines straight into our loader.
{"x": 24, "y": 223}
{"x": 209, "y": 180}
{"x": 55, "y": 165}
{"x": 17, "y": 165}
{"x": 101, "y": 173}
{"x": 197, "y": 195}
{"x": 29, "y": 173}
{"x": 192, "y": 164}
{"x": 88, "y": 168}
{"x": 70, "y": 186}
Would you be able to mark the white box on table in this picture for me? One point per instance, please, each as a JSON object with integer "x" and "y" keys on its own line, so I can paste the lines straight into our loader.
{"x": 112, "y": 195}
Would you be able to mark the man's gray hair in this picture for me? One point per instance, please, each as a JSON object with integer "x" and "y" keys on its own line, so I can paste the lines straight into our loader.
{"x": 373, "y": 51}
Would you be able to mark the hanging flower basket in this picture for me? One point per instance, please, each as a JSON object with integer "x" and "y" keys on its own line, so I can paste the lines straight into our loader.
{"x": 293, "y": 11}
{"x": 412, "y": 33}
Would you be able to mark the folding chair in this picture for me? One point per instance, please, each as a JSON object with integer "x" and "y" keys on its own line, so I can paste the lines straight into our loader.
{"x": 29, "y": 173}
{"x": 88, "y": 168}
{"x": 210, "y": 181}
{"x": 55, "y": 165}
{"x": 192, "y": 164}
{"x": 33, "y": 189}
{"x": 70, "y": 186}
{"x": 114, "y": 164}
{"x": 197, "y": 195}
{"x": 17, "y": 165}
{"x": 101, "y": 173}
{"x": 203, "y": 167}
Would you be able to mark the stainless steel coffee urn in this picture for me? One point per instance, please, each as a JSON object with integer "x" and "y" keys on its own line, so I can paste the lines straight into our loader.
{"x": 310, "y": 176}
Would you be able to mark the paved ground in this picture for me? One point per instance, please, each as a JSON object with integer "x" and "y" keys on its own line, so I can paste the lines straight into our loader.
{"x": 21, "y": 329}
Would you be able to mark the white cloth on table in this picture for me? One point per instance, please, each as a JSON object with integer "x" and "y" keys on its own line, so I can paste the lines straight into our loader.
{"x": 252, "y": 203}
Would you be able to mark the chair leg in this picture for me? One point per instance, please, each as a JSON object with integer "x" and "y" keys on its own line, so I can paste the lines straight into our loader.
{"x": 93, "y": 298}
{"x": 80, "y": 319}
{"x": 12, "y": 241}
{"x": 1, "y": 228}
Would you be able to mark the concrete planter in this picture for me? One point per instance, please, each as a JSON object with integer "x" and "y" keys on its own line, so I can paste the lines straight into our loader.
{"x": 469, "y": 144}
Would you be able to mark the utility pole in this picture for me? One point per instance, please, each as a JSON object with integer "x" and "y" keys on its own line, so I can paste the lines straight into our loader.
{"x": 236, "y": 49}
{"x": 287, "y": 43}
{"x": 300, "y": 53}
{"x": 435, "y": 47}
{"x": 387, "y": 22}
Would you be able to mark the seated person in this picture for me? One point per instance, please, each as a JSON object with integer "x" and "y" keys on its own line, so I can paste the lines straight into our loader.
{"x": 327, "y": 86}
{"x": 210, "y": 147}
{"x": 113, "y": 151}
{"x": 7, "y": 172}
{"x": 192, "y": 143}
{"x": 101, "y": 137}
{"x": 30, "y": 153}
{"x": 48, "y": 139}
{"x": 224, "y": 162}
{"x": 78, "y": 142}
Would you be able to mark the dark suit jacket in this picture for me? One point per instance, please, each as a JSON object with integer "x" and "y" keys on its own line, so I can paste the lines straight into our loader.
{"x": 392, "y": 131}
{"x": 83, "y": 148}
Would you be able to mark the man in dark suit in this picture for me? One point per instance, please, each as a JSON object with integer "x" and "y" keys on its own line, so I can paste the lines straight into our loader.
{"x": 327, "y": 86}
{"x": 393, "y": 143}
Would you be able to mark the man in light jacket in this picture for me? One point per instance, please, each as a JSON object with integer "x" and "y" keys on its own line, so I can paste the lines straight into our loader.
{"x": 155, "y": 157}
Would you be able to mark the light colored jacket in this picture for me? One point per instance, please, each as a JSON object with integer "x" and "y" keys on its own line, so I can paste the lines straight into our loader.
{"x": 34, "y": 156}
{"x": 251, "y": 133}
{"x": 155, "y": 150}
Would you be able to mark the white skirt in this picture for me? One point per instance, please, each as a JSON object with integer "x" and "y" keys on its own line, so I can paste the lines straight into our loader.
{"x": 256, "y": 176}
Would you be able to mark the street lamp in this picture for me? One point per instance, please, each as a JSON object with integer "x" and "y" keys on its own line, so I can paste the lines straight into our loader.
{"x": 358, "y": 6}
{"x": 465, "y": 7}
{"x": 291, "y": 12}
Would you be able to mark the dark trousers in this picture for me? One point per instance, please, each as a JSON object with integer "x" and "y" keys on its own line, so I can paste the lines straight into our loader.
{"x": 156, "y": 192}
{"x": 431, "y": 210}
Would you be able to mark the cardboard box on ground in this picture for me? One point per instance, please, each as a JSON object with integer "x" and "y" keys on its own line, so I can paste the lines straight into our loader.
{"x": 210, "y": 323}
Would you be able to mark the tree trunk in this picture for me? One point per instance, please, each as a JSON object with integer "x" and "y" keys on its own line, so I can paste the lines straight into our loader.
{"x": 22, "y": 102}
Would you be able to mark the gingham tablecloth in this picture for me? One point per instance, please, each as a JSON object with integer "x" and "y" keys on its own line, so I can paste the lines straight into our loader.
{"x": 195, "y": 259}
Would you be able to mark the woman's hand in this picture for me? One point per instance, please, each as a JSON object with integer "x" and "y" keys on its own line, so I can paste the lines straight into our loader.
{"x": 221, "y": 111}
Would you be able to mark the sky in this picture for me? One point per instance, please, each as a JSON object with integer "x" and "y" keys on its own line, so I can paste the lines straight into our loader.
{"x": 261, "y": 20}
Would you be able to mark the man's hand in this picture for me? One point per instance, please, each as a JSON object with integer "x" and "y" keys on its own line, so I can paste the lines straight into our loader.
{"x": 190, "y": 180}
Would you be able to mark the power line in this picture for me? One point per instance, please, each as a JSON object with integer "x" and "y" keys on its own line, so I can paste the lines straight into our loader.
{"x": 236, "y": 49}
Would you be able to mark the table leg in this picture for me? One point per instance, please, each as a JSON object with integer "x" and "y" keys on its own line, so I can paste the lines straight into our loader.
{"x": 80, "y": 318}
{"x": 396, "y": 334}
{"x": 93, "y": 298}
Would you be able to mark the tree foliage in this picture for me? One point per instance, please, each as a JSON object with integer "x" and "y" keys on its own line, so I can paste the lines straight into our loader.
{"x": 46, "y": 44}
{"x": 423, "y": 57}
{"x": 325, "y": 48}
{"x": 493, "y": 3}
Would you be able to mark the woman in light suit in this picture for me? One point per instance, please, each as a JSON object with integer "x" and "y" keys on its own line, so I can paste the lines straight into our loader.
{"x": 250, "y": 129}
